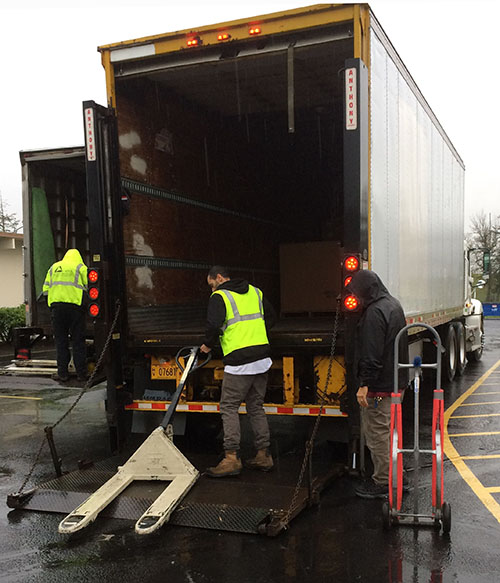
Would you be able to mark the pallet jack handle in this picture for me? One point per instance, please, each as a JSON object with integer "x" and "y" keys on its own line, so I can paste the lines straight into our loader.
{"x": 191, "y": 354}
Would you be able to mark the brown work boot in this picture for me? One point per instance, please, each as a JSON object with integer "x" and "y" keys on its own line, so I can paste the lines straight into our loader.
{"x": 230, "y": 465}
{"x": 263, "y": 461}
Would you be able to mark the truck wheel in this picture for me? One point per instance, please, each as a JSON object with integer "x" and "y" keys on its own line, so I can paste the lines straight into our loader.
{"x": 461, "y": 351}
{"x": 450, "y": 355}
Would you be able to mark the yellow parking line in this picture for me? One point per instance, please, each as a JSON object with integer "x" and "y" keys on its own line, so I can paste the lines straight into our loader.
{"x": 478, "y": 415}
{"x": 480, "y": 403}
{"x": 494, "y": 489}
{"x": 473, "y": 434}
{"x": 13, "y": 397}
{"x": 481, "y": 492}
{"x": 481, "y": 457}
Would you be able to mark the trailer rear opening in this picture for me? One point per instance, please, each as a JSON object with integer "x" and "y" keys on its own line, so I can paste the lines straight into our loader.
{"x": 237, "y": 162}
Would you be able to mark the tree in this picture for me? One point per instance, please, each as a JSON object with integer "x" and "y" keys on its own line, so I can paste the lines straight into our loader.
{"x": 485, "y": 235}
{"x": 9, "y": 223}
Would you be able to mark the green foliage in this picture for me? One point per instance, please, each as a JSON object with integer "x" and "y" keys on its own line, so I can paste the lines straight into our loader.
{"x": 9, "y": 223}
{"x": 11, "y": 318}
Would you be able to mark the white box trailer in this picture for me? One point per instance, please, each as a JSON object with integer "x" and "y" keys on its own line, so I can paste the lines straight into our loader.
{"x": 247, "y": 143}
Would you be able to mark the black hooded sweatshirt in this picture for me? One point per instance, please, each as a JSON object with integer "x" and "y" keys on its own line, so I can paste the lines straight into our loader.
{"x": 382, "y": 319}
{"x": 216, "y": 315}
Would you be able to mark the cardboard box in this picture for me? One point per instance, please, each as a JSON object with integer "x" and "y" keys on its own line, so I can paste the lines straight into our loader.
{"x": 310, "y": 276}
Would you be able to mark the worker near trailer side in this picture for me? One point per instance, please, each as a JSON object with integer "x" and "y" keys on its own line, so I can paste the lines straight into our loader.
{"x": 381, "y": 320}
{"x": 65, "y": 287}
{"x": 238, "y": 317}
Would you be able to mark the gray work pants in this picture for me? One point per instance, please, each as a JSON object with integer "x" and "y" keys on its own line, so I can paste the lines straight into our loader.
{"x": 377, "y": 431}
{"x": 250, "y": 389}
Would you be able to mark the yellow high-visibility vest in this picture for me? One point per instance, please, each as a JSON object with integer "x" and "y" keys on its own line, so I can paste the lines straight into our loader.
{"x": 244, "y": 325}
{"x": 66, "y": 280}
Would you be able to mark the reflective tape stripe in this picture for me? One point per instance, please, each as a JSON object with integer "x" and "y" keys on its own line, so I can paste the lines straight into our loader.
{"x": 77, "y": 276}
{"x": 214, "y": 408}
{"x": 73, "y": 283}
{"x": 70, "y": 283}
{"x": 237, "y": 317}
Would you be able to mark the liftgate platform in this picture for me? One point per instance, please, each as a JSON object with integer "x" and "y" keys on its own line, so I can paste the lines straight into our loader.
{"x": 253, "y": 502}
{"x": 156, "y": 485}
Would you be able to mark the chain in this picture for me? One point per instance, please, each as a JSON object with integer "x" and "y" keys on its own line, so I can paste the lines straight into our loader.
{"x": 309, "y": 445}
{"x": 88, "y": 384}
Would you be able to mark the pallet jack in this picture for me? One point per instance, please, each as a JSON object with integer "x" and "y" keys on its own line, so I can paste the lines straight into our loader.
{"x": 156, "y": 459}
{"x": 440, "y": 514}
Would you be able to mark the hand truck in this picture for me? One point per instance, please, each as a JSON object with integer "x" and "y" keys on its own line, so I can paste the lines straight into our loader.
{"x": 440, "y": 514}
{"x": 156, "y": 459}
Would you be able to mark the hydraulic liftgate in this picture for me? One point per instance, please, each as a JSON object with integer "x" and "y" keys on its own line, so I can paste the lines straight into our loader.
{"x": 252, "y": 504}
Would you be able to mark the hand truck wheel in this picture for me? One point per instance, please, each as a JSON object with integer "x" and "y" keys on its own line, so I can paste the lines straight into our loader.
{"x": 386, "y": 516}
{"x": 446, "y": 517}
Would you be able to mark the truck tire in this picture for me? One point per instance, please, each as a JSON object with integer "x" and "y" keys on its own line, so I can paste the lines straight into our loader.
{"x": 461, "y": 350}
{"x": 449, "y": 365}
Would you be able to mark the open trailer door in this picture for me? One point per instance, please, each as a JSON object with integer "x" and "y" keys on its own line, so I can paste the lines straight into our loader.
{"x": 107, "y": 305}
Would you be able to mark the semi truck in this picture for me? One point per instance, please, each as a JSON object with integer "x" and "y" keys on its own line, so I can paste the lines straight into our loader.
{"x": 293, "y": 148}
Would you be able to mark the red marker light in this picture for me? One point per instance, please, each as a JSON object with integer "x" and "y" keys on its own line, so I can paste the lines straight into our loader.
{"x": 351, "y": 263}
{"x": 223, "y": 36}
{"x": 93, "y": 276}
{"x": 351, "y": 303}
{"x": 347, "y": 280}
{"x": 194, "y": 41}
{"x": 93, "y": 293}
{"x": 94, "y": 310}
{"x": 254, "y": 30}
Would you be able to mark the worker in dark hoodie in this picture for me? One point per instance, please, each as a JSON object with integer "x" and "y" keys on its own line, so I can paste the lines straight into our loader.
{"x": 381, "y": 320}
{"x": 238, "y": 317}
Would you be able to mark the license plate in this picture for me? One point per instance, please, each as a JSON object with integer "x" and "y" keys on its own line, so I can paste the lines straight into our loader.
{"x": 163, "y": 369}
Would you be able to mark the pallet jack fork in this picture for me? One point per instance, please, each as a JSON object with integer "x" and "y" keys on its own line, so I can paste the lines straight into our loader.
{"x": 440, "y": 514}
{"x": 156, "y": 459}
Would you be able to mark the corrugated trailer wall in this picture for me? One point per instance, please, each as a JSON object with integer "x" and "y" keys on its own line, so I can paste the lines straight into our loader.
{"x": 417, "y": 191}
{"x": 190, "y": 207}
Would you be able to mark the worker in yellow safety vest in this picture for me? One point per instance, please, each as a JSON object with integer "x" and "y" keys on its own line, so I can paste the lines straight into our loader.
{"x": 239, "y": 316}
{"x": 65, "y": 287}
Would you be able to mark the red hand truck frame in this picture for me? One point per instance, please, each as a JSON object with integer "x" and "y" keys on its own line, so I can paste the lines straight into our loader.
{"x": 440, "y": 515}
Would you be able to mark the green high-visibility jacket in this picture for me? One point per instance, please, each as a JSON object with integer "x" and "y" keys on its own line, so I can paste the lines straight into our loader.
{"x": 66, "y": 280}
{"x": 244, "y": 325}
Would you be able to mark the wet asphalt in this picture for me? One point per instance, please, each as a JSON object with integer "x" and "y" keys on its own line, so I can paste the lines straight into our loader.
{"x": 340, "y": 539}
